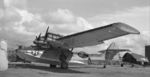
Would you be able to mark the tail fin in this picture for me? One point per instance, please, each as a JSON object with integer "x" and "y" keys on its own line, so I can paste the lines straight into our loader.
{"x": 111, "y": 51}
{"x": 3, "y": 56}
{"x": 3, "y": 45}
{"x": 113, "y": 45}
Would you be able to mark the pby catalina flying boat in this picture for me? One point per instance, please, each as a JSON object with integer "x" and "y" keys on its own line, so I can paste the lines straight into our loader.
{"x": 55, "y": 49}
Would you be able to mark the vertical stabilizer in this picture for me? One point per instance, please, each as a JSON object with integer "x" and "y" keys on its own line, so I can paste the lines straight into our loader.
{"x": 3, "y": 45}
{"x": 3, "y": 56}
{"x": 113, "y": 45}
{"x": 110, "y": 52}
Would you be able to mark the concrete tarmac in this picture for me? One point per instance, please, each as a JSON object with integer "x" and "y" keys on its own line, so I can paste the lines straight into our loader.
{"x": 42, "y": 70}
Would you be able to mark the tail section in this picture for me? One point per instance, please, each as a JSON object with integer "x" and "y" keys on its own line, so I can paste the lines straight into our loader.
{"x": 111, "y": 51}
{"x": 3, "y": 45}
{"x": 113, "y": 45}
{"x": 3, "y": 56}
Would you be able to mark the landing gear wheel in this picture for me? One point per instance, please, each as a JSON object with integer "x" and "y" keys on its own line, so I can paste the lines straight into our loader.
{"x": 64, "y": 65}
{"x": 132, "y": 65}
{"x": 104, "y": 66}
{"x": 52, "y": 66}
{"x": 122, "y": 65}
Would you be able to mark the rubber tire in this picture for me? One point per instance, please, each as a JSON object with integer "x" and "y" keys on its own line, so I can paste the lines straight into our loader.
{"x": 132, "y": 65}
{"x": 52, "y": 66}
{"x": 122, "y": 65}
{"x": 64, "y": 65}
{"x": 104, "y": 66}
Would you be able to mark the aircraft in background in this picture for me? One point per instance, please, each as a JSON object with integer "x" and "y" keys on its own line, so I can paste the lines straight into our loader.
{"x": 112, "y": 51}
{"x": 55, "y": 49}
{"x": 109, "y": 53}
{"x": 134, "y": 59}
{"x": 128, "y": 56}
{"x": 3, "y": 56}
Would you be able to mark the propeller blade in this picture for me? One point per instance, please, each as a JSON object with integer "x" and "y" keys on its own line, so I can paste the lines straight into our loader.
{"x": 46, "y": 34}
{"x": 38, "y": 38}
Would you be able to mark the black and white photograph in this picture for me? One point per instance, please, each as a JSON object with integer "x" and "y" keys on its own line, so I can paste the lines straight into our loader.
{"x": 74, "y": 38}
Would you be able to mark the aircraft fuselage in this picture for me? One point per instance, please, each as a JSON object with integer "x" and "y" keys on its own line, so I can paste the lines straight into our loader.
{"x": 51, "y": 56}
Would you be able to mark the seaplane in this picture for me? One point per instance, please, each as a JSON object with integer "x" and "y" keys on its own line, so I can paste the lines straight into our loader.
{"x": 57, "y": 50}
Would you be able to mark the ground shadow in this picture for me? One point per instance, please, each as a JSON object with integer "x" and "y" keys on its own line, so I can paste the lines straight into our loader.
{"x": 44, "y": 68}
{"x": 78, "y": 67}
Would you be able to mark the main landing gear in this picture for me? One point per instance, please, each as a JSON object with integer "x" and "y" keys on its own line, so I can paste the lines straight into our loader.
{"x": 52, "y": 66}
{"x": 122, "y": 64}
{"x": 64, "y": 63}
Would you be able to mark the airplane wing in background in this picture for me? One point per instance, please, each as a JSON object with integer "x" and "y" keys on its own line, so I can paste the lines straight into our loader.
{"x": 139, "y": 57}
{"x": 97, "y": 35}
{"x": 114, "y": 50}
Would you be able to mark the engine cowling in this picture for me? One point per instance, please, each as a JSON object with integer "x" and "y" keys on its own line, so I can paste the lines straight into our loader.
{"x": 83, "y": 54}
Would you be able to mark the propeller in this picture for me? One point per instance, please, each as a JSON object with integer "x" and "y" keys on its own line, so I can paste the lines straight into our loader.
{"x": 38, "y": 38}
{"x": 46, "y": 34}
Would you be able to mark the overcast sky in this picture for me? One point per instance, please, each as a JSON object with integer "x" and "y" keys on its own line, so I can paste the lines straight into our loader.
{"x": 22, "y": 20}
